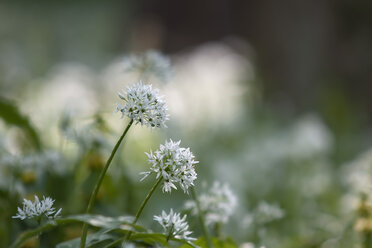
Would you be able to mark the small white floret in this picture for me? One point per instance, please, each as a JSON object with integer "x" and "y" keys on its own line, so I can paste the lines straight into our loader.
{"x": 144, "y": 105}
{"x": 37, "y": 209}
{"x": 174, "y": 164}
{"x": 174, "y": 225}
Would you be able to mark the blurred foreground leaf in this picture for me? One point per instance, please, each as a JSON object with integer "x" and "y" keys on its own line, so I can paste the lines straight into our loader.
{"x": 93, "y": 240}
{"x": 10, "y": 113}
{"x": 152, "y": 239}
{"x": 217, "y": 243}
{"x": 120, "y": 223}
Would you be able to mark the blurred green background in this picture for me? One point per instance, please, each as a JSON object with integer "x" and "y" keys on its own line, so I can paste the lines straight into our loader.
{"x": 273, "y": 97}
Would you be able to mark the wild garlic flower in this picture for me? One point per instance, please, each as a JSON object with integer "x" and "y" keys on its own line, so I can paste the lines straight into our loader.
{"x": 217, "y": 204}
{"x": 37, "y": 209}
{"x": 174, "y": 164}
{"x": 266, "y": 213}
{"x": 174, "y": 225}
{"x": 151, "y": 63}
{"x": 144, "y": 105}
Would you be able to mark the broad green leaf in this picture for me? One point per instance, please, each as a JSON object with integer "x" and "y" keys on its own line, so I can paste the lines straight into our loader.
{"x": 121, "y": 223}
{"x": 104, "y": 221}
{"x": 217, "y": 243}
{"x": 10, "y": 113}
{"x": 92, "y": 239}
{"x": 150, "y": 238}
{"x": 159, "y": 238}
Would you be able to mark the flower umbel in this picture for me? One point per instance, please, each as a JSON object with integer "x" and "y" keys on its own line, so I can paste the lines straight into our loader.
{"x": 174, "y": 225}
{"x": 266, "y": 212}
{"x": 174, "y": 164}
{"x": 144, "y": 105}
{"x": 37, "y": 208}
{"x": 218, "y": 204}
{"x": 151, "y": 63}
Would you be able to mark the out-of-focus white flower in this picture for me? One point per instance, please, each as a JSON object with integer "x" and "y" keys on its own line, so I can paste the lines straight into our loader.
{"x": 174, "y": 164}
{"x": 151, "y": 63}
{"x": 218, "y": 203}
{"x": 216, "y": 87}
{"x": 250, "y": 245}
{"x": 266, "y": 212}
{"x": 358, "y": 174}
{"x": 38, "y": 209}
{"x": 37, "y": 162}
{"x": 174, "y": 225}
{"x": 66, "y": 86}
{"x": 309, "y": 137}
{"x": 144, "y": 105}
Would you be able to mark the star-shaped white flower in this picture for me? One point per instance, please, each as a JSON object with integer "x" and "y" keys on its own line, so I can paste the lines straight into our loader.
{"x": 174, "y": 164}
{"x": 144, "y": 105}
{"x": 37, "y": 208}
{"x": 174, "y": 225}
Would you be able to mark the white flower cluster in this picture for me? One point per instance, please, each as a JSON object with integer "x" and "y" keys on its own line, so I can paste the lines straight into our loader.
{"x": 217, "y": 204}
{"x": 37, "y": 209}
{"x": 174, "y": 164}
{"x": 250, "y": 245}
{"x": 266, "y": 212}
{"x": 144, "y": 105}
{"x": 357, "y": 174}
{"x": 151, "y": 63}
{"x": 174, "y": 225}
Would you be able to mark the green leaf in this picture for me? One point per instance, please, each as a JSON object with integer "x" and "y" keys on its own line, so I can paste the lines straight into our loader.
{"x": 10, "y": 113}
{"x": 150, "y": 238}
{"x": 159, "y": 238}
{"x": 121, "y": 223}
{"x": 217, "y": 243}
{"x": 92, "y": 239}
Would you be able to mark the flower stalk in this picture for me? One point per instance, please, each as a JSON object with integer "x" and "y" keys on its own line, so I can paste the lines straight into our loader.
{"x": 99, "y": 182}
{"x": 39, "y": 234}
{"x": 138, "y": 214}
{"x": 201, "y": 218}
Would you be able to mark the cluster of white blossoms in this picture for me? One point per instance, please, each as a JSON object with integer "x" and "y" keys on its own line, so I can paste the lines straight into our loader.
{"x": 174, "y": 164}
{"x": 151, "y": 63}
{"x": 266, "y": 212}
{"x": 144, "y": 105}
{"x": 174, "y": 225}
{"x": 37, "y": 209}
{"x": 217, "y": 204}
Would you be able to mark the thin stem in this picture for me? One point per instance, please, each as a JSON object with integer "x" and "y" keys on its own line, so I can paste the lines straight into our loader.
{"x": 201, "y": 218}
{"x": 170, "y": 233}
{"x": 39, "y": 234}
{"x": 99, "y": 182}
{"x": 217, "y": 229}
{"x": 143, "y": 205}
{"x": 367, "y": 242}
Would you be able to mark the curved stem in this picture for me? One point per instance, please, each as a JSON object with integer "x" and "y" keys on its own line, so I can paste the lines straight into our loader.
{"x": 143, "y": 205}
{"x": 99, "y": 182}
{"x": 201, "y": 218}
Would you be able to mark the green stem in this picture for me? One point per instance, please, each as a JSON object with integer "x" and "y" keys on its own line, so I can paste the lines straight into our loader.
{"x": 39, "y": 234}
{"x": 170, "y": 233}
{"x": 201, "y": 218}
{"x": 217, "y": 229}
{"x": 143, "y": 205}
{"x": 367, "y": 240}
{"x": 98, "y": 184}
